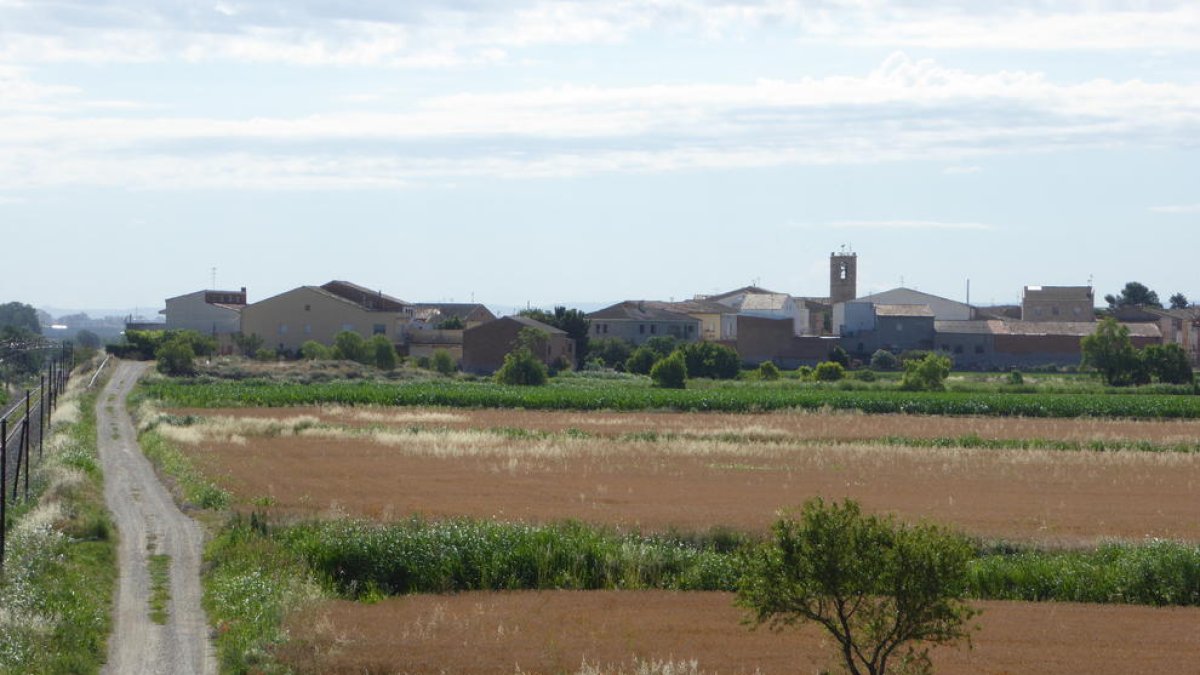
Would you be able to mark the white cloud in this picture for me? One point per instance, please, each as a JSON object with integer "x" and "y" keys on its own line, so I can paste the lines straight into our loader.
{"x": 958, "y": 170}
{"x": 1177, "y": 208}
{"x": 904, "y": 109}
{"x": 436, "y": 35}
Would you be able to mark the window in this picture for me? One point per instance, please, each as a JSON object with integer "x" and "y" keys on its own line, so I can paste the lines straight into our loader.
{"x": 1054, "y": 311}
{"x": 348, "y": 326}
{"x": 958, "y": 349}
{"x": 641, "y": 328}
{"x": 283, "y": 329}
{"x": 597, "y": 329}
{"x": 606, "y": 329}
{"x": 978, "y": 349}
{"x": 653, "y": 329}
{"x": 899, "y": 328}
{"x": 308, "y": 329}
{"x": 379, "y": 329}
{"x": 308, "y": 308}
{"x": 1076, "y": 311}
{"x": 689, "y": 329}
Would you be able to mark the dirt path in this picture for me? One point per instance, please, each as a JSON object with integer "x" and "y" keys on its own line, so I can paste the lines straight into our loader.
{"x": 149, "y": 524}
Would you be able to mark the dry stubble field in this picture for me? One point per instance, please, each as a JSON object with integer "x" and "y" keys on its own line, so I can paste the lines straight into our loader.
{"x": 391, "y": 463}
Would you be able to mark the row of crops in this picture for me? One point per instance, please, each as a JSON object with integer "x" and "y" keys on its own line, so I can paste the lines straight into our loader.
{"x": 362, "y": 559}
{"x": 616, "y": 396}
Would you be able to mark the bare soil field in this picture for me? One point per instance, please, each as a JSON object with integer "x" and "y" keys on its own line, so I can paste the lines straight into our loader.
{"x": 1039, "y": 495}
{"x": 840, "y": 426}
{"x": 556, "y": 631}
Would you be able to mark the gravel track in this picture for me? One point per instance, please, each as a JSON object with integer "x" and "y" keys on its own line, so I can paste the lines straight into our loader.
{"x": 149, "y": 523}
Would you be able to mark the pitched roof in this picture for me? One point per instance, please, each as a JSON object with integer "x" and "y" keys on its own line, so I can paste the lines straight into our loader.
{"x": 694, "y": 306}
{"x": 765, "y": 301}
{"x": 370, "y": 300}
{"x": 533, "y": 323}
{"x": 737, "y": 291}
{"x": 1060, "y": 292}
{"x": 638, "y": 310}
{"x": 903, "y": 310}
{"x": 461, "y": 310}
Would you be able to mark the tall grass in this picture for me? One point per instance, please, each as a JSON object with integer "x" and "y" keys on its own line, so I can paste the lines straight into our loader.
{"x": 621, "y": 396}
{"x": 60, "y": 567}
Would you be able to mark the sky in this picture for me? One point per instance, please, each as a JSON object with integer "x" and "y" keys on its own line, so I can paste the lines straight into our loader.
{"x": 521, "y": 152}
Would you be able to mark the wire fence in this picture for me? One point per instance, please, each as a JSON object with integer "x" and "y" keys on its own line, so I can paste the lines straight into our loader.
{"x": 23, "y": 432}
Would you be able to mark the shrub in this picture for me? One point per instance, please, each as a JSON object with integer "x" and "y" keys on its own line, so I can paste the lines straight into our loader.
{"x": 521, "y": 367}
{"x": 804, "y": 373}
{"x": 175, "y": 357}
{"x": 865, "y": 375}
{"x": 612, "y": 352}
{"x": 382, "y": 353}
{"x": 670, "y": 373}
{"x": 709, "y": 359}
{"x": 452, "y": 323}
{"x": 641, "y": 361}
{"x": 315, "y": 351}
{"x": 1168, "y": 363}
{"x": 442, "y": 362}
{"x": 768, "y": 371}
{"x": 829, "y": 371}
{"x": 350, "y": 346}
{"x": 265, "y": 354}
{"x": 883, "y": 591}
{"x": 882, "y": 359}
{"x": 927, "y": 374}
{"x": 839, "y": 356}
{"x": 1016, "y": 378}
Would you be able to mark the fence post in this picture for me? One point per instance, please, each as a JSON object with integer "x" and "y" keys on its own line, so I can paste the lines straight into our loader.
{"x": 17, "y": 474}
{"x": 3, "y": 478}
{"x": 28, "y": 443}
{"x": 42, "y": 421}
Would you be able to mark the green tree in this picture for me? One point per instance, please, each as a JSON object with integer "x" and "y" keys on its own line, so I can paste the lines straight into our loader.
{"x": 642, "y": 360}
{"x": 176, "y": 357}
{"x": 452, "y": 323}
{"x": 829, "y": 371}
{"x": 884, "y": 591}
{"x": 671, "y": 372}
{"x": 350, "y": 346}
{"x": 1134, "y": 294}
{"x": 1168, "y": 363}
{"x": 266, "y": 355}
{"x": 1179, "y": 301}
{"x": 840, "y": 356}
{"x": 926, "y": 374}
{"x": 248, "y": 345}
{"x": 572, "y": 321}
{"x": 661, "y": 345}
{"x": 202, "y": 345}
{"x": 521, "y": 367}
{"x": 612, "y": 351}
{"x": 768, "y": 371}
{"x": 709, "y": 359}
{"x": 443, "y": 362}
{"x": 381, "y": 352}
{"x": 882, "y": 359}
{"x": 1110, "y": 351}
{"x": 312, "y": 350}
{"x": 20, "y": 315}
{"x": 87, "y": 339}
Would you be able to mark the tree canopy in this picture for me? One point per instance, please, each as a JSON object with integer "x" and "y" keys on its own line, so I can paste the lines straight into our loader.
{"x": 573, "y": 321}
{"x": 20, "y": 315}
{"x": 884, "y": 591}
{"x": 1135, "y": 294}
{"x": 1179, "y": 301}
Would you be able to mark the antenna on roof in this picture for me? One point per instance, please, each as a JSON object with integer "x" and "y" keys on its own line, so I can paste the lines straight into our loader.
{"x": 214, "y": 279}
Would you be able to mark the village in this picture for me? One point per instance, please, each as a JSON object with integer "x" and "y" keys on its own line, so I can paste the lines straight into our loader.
{"x": 761, "y": 325}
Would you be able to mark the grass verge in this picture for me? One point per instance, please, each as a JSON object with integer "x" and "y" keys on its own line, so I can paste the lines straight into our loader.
{"x": 60, "y": 569}
{"x": 160, "y": 587}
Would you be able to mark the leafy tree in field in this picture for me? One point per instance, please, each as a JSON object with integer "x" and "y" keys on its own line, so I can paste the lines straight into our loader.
{"x": 176, "y": 357}
{"x": 87, "y": 339}
{"x": 248, "y": 345}
{"x": 382, "y": 353}
{"x": 885, "y": 592}
{"x": 768, "y": 371}
{"x": 612, "y": 351}
{"x": 312, "y": 350}
{"x": 1168, "y": 363}
{"x": 202, "y": 345}
{"x": 709, "y": 359}
{"x": 927, "y": 374}
{"x": 573, "y": 321}
{"x": 829, "y": 371}
{"x": 840, "y": 356}
{"x": 882, "y": 359}
{"x": 266, "y": 355}
{"x": 1110, "y": 351}
{"x": 20, "y": 315}
{"x": 661, "y": 345}
{"x": 1179, "y": 301}
{"x": 671, "y": 372}
{"x": 642, "y": 360}
{"x": 521, "y": 367}
{"x": 350, "y": 346}
{"x": 443, "y": 362}
{"x": 1134, "y": 294}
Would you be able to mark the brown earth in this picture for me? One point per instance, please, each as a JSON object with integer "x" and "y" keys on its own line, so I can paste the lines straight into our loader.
{"x": 1048, "y": 496}
{"x": 556, "y": 631}
{"x": 808, "y": 425}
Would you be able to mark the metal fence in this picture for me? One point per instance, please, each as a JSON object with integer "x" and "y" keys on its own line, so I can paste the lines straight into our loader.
{"x": 22, "y": 435}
